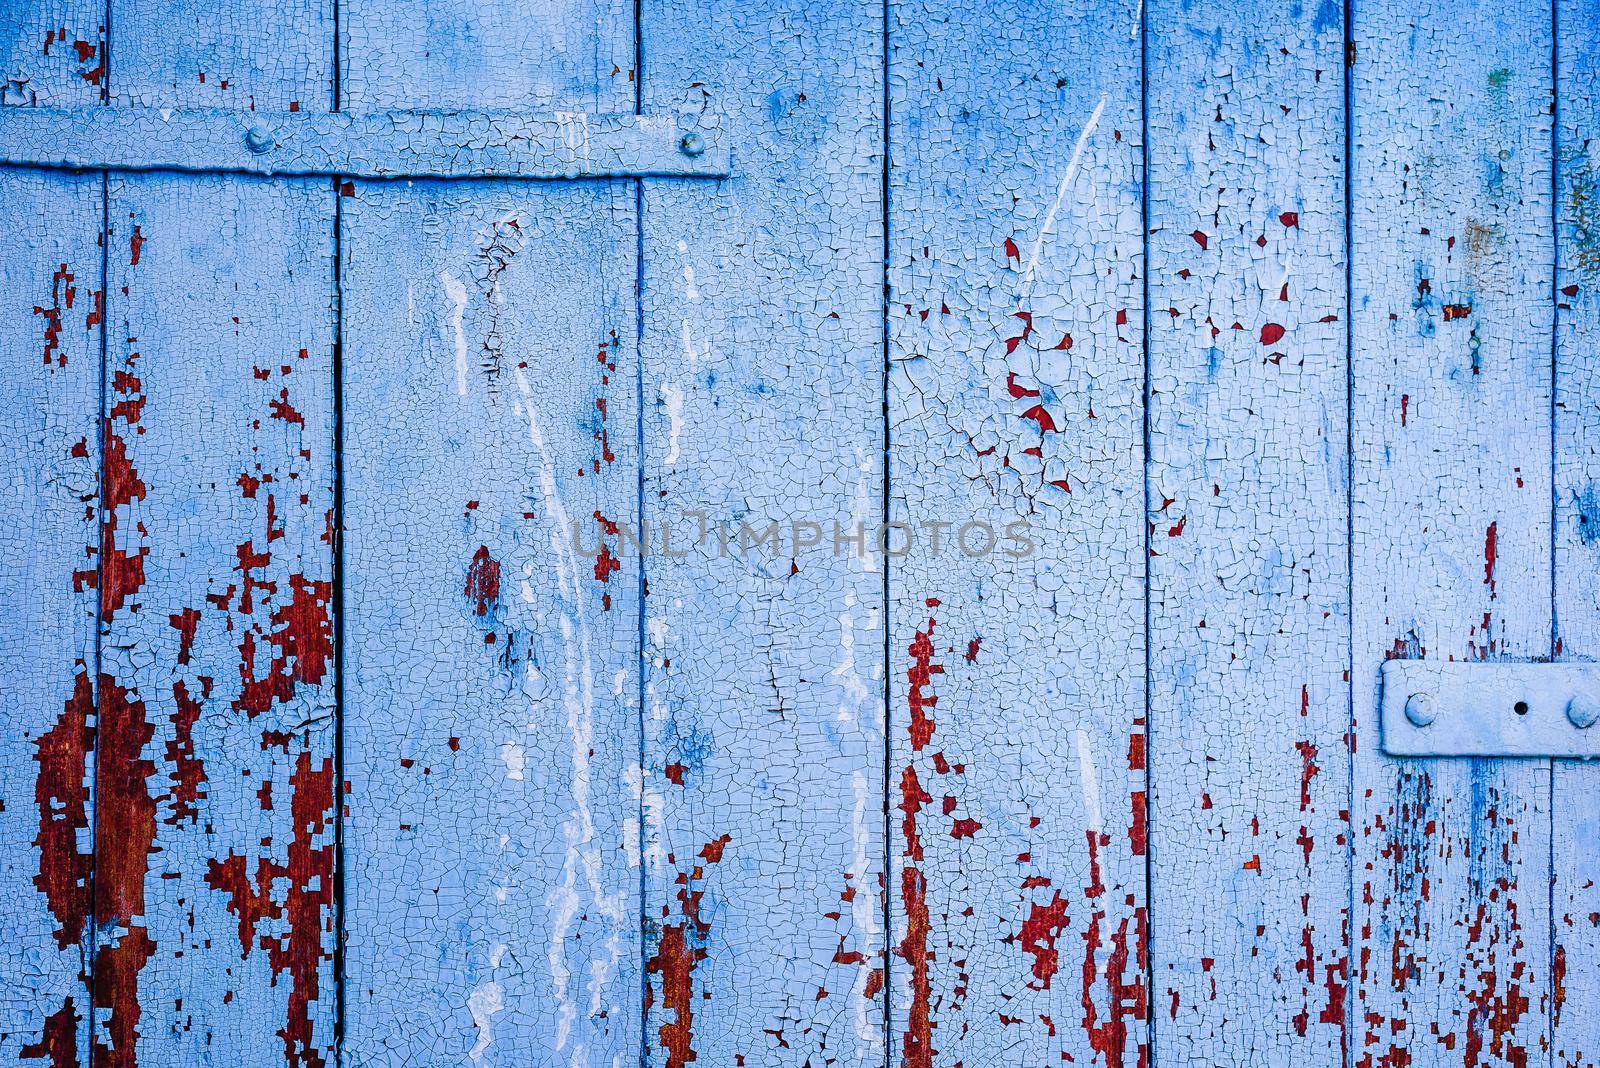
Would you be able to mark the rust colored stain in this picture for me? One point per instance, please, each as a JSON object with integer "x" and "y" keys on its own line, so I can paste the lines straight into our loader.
{"x": 86, "y": 52}
{"x": 121, "y": 571}
{"x": 62, "y": 294}
{"x": 250, "y": 561}
{"x": 680, "y": 947}
{"x": 1126, "y": 999}
{"x": 136, "y": 242}
{"x": 59, "y": 1043}
{"x": 303, "y": 640}
{"x": 1139, "y": 829}
{"x": 116, "y": 998}
{"x": 1308, "y": 770}
{"x": 917, "y": 1042}
{"x": 1017, "y": 391}
{"x": 912, "y": 798}
{"x": 285, "y": 412}
{"x": 1490, "y": 539}
{"x": 674, "y": 961}
{"x": 920, "y": 674}
{"x": 62, "y": 795}
{"x": 1038, "y": 938}
{"x": 231, "y": 876}
{"x": 125, "y": 833}
{"x": 605, "y": 564}
{"x": 188, "y": 771}
{"x": 483, "y": 581}
{"x": 187, "y": 624}
{"x": 1558, "y": 983}
{"x": 309, "y": 906}
{"x": 305, "y": 908}
{"x": 1037, "y": 413}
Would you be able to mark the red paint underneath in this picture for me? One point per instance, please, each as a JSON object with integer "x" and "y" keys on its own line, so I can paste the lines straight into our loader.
{"x": 679, "y": 948}
{"x": 302, "y": 638}
{"x": 483, "y": 581}
{"x": 920, "y": 675}
{"x": 61, "y": 792}
{"x": 59, "y": 1042}
{"x": 306, "y": 905}
{"x": 124, "y": 837}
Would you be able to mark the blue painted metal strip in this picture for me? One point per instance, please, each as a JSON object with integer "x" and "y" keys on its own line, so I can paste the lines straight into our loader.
{"x": 383, "y": 144}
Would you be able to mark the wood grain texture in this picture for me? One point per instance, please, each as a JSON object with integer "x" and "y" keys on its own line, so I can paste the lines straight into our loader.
{"x": 762, "y": 780}
{"x": 1085, "y": 769}
{"x": 1249, "y": 629}
{"x": 215, "y": 850}
{"x": 50, "y": 324}
{"x": 1451, "y": 257}
{"x": 1574, "y": 804}
{"x": 491, "y": 719}
{"x": 1017, "y": 743}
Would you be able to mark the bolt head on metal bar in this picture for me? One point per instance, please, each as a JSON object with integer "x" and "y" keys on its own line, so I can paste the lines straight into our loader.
{"x": 384, "y": 144}
{"x": 1490, "y": 709}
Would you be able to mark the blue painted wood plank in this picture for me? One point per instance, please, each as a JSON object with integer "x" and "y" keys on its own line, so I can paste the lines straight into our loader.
{"x": 1574, "y": 808}
{"x": 1017, "y": 740}
{"x": 215, "y": 840}
{"x": 1451, "y": 253}
{"x": 763, "y": 769}
{"x": 50, "y": 320}
{"x": 491, "y": 719}
{"x": 1249, "y": 623}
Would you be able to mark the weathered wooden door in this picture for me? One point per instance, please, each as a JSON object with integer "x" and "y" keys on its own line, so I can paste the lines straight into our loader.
{"x": 885, "y": 559}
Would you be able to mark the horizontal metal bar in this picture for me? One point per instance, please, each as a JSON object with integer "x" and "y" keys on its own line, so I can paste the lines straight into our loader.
{"x": 383, "y": 144}
{"x": 1491, "y": 709}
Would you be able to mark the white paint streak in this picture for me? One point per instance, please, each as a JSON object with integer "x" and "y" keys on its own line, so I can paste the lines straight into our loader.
{"x": 457, "y": 295}
{"x": 582, "y": 860}
{"x": 484, "y": 1003}
{"x": 515, "y": 760}
{"x": 575, "y": 133}
{"x": 1061, "y": 191}
{"x": 1089, "y": 780}
{"x": 674, "y": 399}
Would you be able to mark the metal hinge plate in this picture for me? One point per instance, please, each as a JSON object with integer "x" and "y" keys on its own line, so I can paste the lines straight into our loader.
{"x": 383, "y": 144}
{"x": 1491, "y": 709}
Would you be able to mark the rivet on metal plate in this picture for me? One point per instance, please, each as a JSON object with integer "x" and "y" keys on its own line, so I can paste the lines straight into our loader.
{"x": 258, "y": 138}
{"x": 1499, "y": 708}
{"x": 692, "y": 144}
{"x": 1583, "y": 711}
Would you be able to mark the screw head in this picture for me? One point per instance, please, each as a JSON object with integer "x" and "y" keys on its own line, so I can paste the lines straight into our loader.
{"x": 1420, "y": 710}
{"x": 691, "y": 143}
{"x": 1583, "y": 711}
{"x": 259, "y": 138}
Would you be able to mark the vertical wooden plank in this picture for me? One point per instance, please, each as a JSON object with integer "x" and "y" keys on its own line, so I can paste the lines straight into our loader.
{"x": 1451, "y": 248}
{"x": 1249, "y": 629}
{"x": 214, "y": 846}
{"x": 1575, "y": 812}
{"x": 50, "y": 321}
{"x": 1017, "y": 743}
{"x": 491, "y": 698}
{"x": 762, "y": 780}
